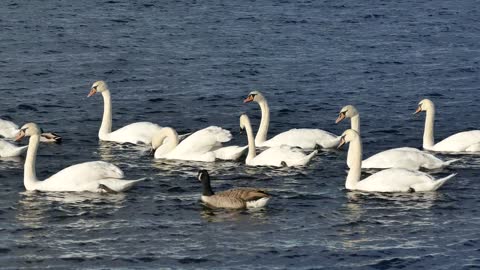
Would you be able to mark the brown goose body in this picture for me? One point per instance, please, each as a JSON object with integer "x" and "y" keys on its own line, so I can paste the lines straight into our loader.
{"x": 236, "y": 198}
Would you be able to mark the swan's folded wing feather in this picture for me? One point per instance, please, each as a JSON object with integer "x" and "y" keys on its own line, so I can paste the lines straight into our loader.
{"x": 459, "y": 142}
{"x": 140, "y": 132}
{"x": 404, "y": 157}
{"x": 306, "y": 138}
{"x": 203, "y": 141}
{"x": 393, "y": 180}
{"x": 9, "y": 150}
{"x": 87, "y": 172}
{"x": 8, "y": 129}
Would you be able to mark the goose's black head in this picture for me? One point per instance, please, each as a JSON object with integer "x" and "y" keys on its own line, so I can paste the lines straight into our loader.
{"x": 203, "y": 176}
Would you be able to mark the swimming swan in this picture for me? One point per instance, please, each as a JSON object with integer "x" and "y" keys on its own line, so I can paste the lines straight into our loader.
{"x": 389, "y": 180}
{"x": 277, "y": 156}
{"x": 200, "y": 146}
{"x": 136, "y": 133}
{"x": 467, "y": 141}
{"x": 94, "y": 176}
{"x": 403, "y": 157}
{"x": 306, "y": 138}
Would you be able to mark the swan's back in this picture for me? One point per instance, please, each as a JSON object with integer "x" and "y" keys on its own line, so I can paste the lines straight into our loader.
{"x": 10, "y": 150}
{"x": 459, "y": 142}
{"x": 83, "y": 176}
{"x": 135, "y": 133}
{"x": 394, "y": 180}
{"x": 276, "y": 156}
{"x": 404, "y": 157}
{"x": 203, "y": 141}
{"x": 305, "y": 138}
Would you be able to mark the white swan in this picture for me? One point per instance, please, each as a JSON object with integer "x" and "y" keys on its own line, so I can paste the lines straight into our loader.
{"x": 389, "y": 180}
{"x": 235, "y": 198}
{"x": 200, "y": 146}
{"x": 403, "y": 157}
{"x": 95, "y": 176}
{"x": 467, "y": 141}
{"x": 10, "y": 150}
{"x": 277, "y": 156}
{"x": 9, "y": 130}
{"x": 306, "y": 138}
{"x": 136, "y": 133}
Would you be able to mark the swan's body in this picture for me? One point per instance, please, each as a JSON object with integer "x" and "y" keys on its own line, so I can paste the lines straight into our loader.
{"x": 199, "y": 146}
{"x": 10, "y": 150}
{"x": 95, "y": 176}
{"x": 389, "y": 180}
{"x": 305, "y": 138}
{"x": 467, "y": 141}
{"x": 237, "y": 198}
{"x": 403, "y": 157}
{"x": 232, "y": 152}
{"x": 9, "y": 130}
{"x": 136, "y": 133}
{"x": 277, "y": 156}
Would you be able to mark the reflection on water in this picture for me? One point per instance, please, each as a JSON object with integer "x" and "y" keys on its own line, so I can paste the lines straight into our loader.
{"x": 233, "y": 215}
{"x": 37, "y": 209}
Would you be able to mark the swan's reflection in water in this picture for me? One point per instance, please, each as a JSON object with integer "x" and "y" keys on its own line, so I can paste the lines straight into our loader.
{"x": 383, "y": 211}
{"x": 37, "y": 209}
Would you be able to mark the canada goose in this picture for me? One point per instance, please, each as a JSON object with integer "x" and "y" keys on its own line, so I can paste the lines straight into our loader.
{"x": 236, "y": 198}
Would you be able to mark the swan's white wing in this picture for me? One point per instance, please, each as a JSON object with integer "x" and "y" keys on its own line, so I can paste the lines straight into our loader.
{"x": 405, "y": 157}
{"x": 202, "y": 141}
{"x": 232, "y": 152}
{"x": 304, "y": 138}
{"x": 459, "y": 142}
{"x": 83, "y": 176}
{"x": 10, "y": 150}
{"x": 394, "y": 180}
{"x": 8, "y": 129}
{"x": 136, "y": 133}
{"x": 280, "y": 156}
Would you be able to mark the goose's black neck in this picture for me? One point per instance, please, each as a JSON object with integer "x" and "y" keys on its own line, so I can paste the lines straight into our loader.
{"x": 207, "y": 189}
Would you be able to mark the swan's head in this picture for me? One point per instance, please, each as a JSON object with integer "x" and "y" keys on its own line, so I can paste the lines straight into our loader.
{"x": 98, "y": 86}
{"x": 348, "y": 111}
{"x": 347, "y": 136}
{"x": 425, "y": 105}
{"x": 244, "y": 121}
{"x": 203, "y": 176}
{"x": 254, "y": 96}
{"x": 27, "y": 130}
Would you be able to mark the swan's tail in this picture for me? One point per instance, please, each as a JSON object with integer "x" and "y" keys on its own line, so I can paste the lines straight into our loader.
{"x": 306, "y": 159}
{"x": 330, "y": 144}
{"x": 447, "y": 163}
{"x": 437, "y": 184}
{"x": 119, "y": 185}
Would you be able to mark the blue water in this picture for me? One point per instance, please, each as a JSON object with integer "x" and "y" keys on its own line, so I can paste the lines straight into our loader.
{"x": 188, "y": 65}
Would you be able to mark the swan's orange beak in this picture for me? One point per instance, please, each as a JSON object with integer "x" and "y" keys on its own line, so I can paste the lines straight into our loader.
{"x": 248, "y": 99}
{"x": 92, "y": 92}
{"x": 20, "y": 136}
{"x": 342, "y": 142}
{"x": 419, "y": 109}
{"x": 340, "y": 117}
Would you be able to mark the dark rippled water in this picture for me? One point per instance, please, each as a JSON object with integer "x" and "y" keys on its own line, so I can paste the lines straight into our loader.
{"x": 189, "y": 64}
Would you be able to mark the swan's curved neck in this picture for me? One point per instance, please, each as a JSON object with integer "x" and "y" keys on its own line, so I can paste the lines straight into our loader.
{"x": 355, "y": 123}
{"x": 264, "y": 122}
{"x": 29, "y": 174}
{"x": 165, "y": 141}
{"x": 106, "y": 126}
{"x": 355, "y": 158}
{"x": 428, "y": 140}
{"x": 251, "y": 142}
